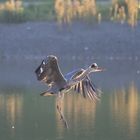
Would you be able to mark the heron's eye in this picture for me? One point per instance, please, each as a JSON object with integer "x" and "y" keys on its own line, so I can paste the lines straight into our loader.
{"x": 94, "y": 65}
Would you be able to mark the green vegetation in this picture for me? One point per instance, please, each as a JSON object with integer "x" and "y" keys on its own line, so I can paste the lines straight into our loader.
{"x": 11, "y": 12}
{"x": 40, "y": 12}
{"x": 104, "y": 9}
{"x": 9, "y": 17}
{"x": 33, "y": 10}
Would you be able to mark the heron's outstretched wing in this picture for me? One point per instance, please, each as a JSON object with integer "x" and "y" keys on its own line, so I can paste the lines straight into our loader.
{"x": 86, "y": 88}
{"x": 49, "y": 72}
{"x": 72, "y": 74}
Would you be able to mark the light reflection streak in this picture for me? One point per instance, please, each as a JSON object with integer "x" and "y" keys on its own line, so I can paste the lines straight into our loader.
{"x": 11, "y": 105}
{"x": 124, "y": 106}
{"x": 78, "y": 112}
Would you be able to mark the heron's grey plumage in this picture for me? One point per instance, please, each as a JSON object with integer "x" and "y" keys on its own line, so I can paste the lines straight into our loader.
{"x": 85, "y": 86}
{"x": 51, "y": 75}
{"x": 78, "y": 80}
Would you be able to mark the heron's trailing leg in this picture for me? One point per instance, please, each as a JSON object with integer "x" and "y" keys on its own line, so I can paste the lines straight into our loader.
{"x": 59, "y": 105}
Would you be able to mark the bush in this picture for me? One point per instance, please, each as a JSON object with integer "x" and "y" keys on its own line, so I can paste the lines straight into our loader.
{"x": 39, "y": 12}
{"x": 12, "y": 16}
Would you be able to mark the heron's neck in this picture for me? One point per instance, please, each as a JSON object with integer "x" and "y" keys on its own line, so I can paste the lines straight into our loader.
{"x": 80, "y": 77}
{"x": 83, "y": 75}
{"x": 59, "y": 76}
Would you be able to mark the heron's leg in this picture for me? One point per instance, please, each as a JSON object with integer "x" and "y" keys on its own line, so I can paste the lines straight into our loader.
{"x": 59, "y": 105}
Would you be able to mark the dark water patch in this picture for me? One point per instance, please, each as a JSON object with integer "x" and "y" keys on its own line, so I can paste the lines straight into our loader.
{"x": 41, "y": 39}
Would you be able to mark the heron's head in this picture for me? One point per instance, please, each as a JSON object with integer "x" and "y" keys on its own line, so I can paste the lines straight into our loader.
{"x": 45, "y": 69}
{"x": 94, "y": 68}
{"x": 52, "y": 58}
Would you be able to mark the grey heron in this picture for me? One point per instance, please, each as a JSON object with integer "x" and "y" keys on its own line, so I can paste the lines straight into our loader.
{"x": 77, "y": 80}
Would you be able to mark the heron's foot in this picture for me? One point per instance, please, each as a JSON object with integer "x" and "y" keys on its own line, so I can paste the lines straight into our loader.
{"x": 64, "y": 121}
{"x": 66, "y": 124}
{"x": 62, "y": 118}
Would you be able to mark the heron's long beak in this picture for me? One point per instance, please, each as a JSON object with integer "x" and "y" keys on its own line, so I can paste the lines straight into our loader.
{"x": 99, "y": 69}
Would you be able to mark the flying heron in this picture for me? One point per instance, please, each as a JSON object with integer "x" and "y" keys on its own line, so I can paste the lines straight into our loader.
{"x": 77, "y": 80}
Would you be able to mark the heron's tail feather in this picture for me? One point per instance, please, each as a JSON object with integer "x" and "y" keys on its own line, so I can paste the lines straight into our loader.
{"x": 47, "y": 94}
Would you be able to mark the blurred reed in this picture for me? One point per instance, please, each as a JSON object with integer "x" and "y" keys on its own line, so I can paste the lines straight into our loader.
{"x": 68, "y": 10}
{"x": 12, "y": 10}
{"x": 125, "y": 10}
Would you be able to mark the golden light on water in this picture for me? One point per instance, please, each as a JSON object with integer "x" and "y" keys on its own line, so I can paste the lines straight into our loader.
{"x": 124, "y": 106}
{"x": 117, "y": 111}
{"x": 81, "y": 113}
{"x": 12, "y": 105}
{"x": 76, "y": 109}
{"x": 133, "y": 107}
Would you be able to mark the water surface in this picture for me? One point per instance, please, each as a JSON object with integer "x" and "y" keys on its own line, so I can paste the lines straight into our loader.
{"x": 26, "y": 115}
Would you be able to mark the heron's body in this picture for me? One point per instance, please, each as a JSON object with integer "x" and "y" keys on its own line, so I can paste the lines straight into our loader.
{"x": 77, "y": 80}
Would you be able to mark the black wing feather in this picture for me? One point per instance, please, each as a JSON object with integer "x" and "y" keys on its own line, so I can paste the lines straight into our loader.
{"x": 87, "y": 89}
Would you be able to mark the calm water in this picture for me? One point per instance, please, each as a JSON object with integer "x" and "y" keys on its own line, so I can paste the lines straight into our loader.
{"x": 24, "y": 115}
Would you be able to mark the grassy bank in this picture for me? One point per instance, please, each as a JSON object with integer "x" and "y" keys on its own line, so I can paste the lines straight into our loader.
{"x": 27, "y": 11}
{"x": 40, "y": 12}
{"x": 33, "y": 10}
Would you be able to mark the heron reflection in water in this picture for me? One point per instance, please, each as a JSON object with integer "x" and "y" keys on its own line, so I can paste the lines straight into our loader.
{"x": 77, "y": 80}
